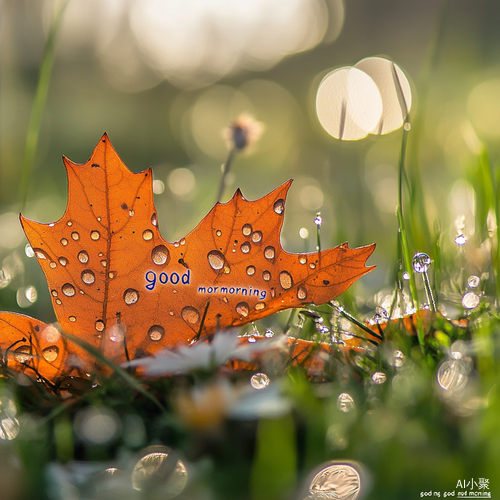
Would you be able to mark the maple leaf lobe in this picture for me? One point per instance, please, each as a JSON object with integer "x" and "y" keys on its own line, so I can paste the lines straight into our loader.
{"x": 114, "y": 279}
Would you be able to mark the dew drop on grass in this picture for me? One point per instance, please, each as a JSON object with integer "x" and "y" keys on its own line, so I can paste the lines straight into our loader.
{"x": 156, "y": 332}
{"x": 378, "y": 378}
{"x": 336, "y": 481}
{"x": 318, "y": 220}
{"x": 473, "y": 281}
{"x": 421, "y": 262}
{"x": 470, "y": 300}
{"x": 29, "y": 251}
{"x": 460, "y": 240}
{"x": 345, "y": 403}
{"x": 452, "y": 375}
{"x": 259, "y": 381}
{"x": 269, "y": 334}
{"x": 398, "y": 359}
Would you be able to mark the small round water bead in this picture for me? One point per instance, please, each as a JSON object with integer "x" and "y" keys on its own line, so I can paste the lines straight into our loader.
{"x": 421, "y": 262}
{"x": 259, "y": 381}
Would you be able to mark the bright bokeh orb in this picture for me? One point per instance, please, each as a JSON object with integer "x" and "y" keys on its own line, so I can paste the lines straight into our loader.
{"x": 348, "y": 104}
{"x": 483, "y": 107}
{"x": 394, "y": 90}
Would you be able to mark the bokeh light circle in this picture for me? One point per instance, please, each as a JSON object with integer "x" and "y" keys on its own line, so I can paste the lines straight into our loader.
{"x": 348, "y": 104}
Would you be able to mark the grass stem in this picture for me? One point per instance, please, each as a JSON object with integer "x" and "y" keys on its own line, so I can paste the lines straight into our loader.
{"x": 39, "y": 104}
{"x": 402, "y": 231}
{"x": 225, "y": 171}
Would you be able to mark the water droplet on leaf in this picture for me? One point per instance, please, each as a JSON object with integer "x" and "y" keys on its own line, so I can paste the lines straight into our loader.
{"x": 130, "y": 296}
{"x": 246, "y": 230}
{"x": 286, "y": 280}
{"x": 269, "y": 252}
{"x": 190, "y": 315}
{"x": 160, "y": 255}
{"x": 68, "y": 289}
{"x": 242, "y": 309}
{"x": 88, "y": 276}
{"x": 83, "y": 257}
{"x": 156, "y": 332}
{"x": 279, "y": 206}
{"x": 147, "y": 235}
{"x": 216, "y": 259}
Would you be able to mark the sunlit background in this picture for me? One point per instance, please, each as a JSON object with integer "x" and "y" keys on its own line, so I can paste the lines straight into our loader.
{"x": 333, "y": 85}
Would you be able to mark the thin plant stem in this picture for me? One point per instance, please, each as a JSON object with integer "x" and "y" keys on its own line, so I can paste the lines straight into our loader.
{"x": 402, "y": 231}
{"x": 225, "y": 170}
{"x": 418, "y": 211}
{"x": 39, "y": 104}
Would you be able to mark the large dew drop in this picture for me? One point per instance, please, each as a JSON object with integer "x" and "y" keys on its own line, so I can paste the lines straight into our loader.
{"x": 269, "y": 252}
{"x": 216, "y": 259}
{"x": 88, "y": 276}
{"x": 421, "y": 262}
{"x": 286, "y": 280}
{"x": 22, "y": 354}
{"x": 68, "y": 289}
{"x": 50, "y": 353}
{"x": 338, "y": 481}
{"x": 470, "y": 300}
{"x": 147, "y": 235}
{"x": 452, "y": 375}
{"x": 83, "y": 257}
{"x": 257, "y": 236}
{"x": 279, "y": 206}
{"x": 242, "y": 309}
{"x": 190, "y": 315}
{"x": 245, "y": 247}
{"x": 160, "y": 255}
{"x": 246, "y": 230}
{"x": 156, "y": 332}
{"x": 345, "y": 403}
{"x": 41, "y": 254}
{"x": 130, "y": 296}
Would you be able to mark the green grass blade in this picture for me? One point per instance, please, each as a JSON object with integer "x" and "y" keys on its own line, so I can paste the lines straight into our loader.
{"x": 39, "y": 104}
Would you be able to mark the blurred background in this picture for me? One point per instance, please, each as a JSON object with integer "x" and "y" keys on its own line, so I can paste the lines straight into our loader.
{"x": 164, "y": 78}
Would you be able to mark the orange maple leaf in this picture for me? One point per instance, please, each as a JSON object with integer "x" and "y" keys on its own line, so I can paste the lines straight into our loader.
{"x": 119, "y": 286}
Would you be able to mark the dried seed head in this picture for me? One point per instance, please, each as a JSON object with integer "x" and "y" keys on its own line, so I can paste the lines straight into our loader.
{"x": 243, "y": 133}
